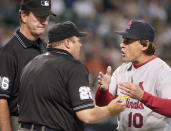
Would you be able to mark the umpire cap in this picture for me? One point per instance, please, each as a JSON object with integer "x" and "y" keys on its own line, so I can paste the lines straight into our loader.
{"x": 61, "y": 31}
{"x": 38, "y": 7}
{"x": 138, "y": 29}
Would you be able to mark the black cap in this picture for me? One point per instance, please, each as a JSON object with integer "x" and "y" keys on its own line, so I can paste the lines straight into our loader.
{"x": 38, "y": 7}
{"x": 61, "y": 31}
{"x": 138, "y": 29}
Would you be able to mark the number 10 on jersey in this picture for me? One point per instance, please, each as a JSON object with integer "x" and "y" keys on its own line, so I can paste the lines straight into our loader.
{"x": 135, "y": 119}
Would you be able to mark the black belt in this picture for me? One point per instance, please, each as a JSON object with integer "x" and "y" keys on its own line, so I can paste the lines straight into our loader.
{"x": 36, "y": 127}
{"x": 31, "y": 126}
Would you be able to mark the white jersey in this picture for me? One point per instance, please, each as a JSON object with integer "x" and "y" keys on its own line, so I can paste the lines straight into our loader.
{"x": 153, "y": 77}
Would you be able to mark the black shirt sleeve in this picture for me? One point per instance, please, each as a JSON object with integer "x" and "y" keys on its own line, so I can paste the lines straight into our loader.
{"x": 79, "y": 90}
{"x": 7, "y": 73}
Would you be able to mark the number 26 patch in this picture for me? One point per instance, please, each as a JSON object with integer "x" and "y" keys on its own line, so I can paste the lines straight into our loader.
{"x": 85, "y": 93}
{"x": 4, "y": 83}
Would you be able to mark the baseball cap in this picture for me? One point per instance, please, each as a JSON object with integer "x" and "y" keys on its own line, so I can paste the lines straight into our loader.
{"x": 38, "y": 7}
{"x": 138, "y": 29}
{"x": 61, "y": 31}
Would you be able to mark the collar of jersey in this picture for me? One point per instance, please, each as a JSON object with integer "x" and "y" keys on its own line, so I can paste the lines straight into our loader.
{"x": 59, "y": 51}
{"x": 137, "y": 66}
{"x": 26, "y": 43}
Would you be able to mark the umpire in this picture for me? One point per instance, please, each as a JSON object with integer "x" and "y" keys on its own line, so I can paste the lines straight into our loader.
{"x": 55, "y": 93}
{"x": 23, "y": 46}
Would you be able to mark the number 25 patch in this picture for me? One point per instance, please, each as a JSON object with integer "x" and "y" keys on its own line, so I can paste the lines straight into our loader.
{"x": 4, "y": 83}
{"x": 85, "y": 93}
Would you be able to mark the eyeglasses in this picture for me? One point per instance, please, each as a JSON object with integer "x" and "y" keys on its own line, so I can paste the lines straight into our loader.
{"x": 128, "y": 41}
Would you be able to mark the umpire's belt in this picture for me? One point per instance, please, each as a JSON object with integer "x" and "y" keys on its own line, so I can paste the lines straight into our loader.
{"x": 32, "y": 126}
{"x": 36, "y": 127}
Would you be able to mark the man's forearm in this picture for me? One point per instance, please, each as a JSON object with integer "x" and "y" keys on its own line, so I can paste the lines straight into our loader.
{"x": 4, "y": 116}
{"x": 100, "y": 113}
{"x": 93, "y": 115}
{"x": 159, "y": 105}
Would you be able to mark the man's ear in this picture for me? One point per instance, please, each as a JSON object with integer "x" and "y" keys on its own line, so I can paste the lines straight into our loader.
{"x": 23, "y": 16}
{"x": 67, "y": 44}
{"x": 146, "y": 45}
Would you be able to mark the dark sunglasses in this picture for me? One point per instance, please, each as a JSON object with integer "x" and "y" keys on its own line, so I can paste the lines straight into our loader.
{"x": 128, "y": 41}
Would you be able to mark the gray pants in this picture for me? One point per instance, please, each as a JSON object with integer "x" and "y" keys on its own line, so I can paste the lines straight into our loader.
{"x": 14, "y": 123}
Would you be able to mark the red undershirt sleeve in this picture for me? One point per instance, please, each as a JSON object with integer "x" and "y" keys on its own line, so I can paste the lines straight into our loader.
{"x": 102, "y": 98}
{"x": 159, "y": 105}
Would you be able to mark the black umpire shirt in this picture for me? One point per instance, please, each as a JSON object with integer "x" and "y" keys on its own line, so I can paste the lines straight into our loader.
{"x": 13, "y": 57}
{"x": 53, "y": 87}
